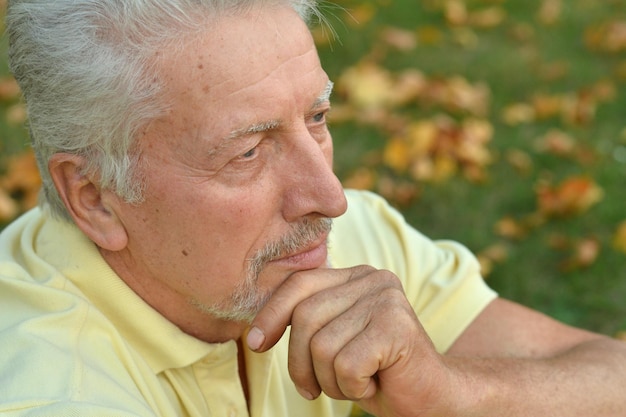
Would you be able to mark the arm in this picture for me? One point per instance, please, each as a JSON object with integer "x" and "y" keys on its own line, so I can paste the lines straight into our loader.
{"x": 524, "y": 363}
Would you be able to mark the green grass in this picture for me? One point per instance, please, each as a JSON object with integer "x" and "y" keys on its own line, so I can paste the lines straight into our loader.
{"x": 513, "y": 68}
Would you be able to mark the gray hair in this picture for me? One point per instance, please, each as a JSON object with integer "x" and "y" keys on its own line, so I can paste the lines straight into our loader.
{"x": 88, "y": 76}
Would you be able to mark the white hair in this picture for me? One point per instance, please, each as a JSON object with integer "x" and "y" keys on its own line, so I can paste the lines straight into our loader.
{"x": 87, "y": 73}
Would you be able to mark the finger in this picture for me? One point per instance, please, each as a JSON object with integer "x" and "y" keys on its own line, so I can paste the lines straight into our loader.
{"x": 273, "y": 319}
{"x": 312, "y": 364}
{"x": 386, "y": 342}
{"x": 318, "y": 333}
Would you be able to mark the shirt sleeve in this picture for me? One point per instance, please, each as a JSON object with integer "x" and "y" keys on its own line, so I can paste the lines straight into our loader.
{"x": 441, "y": 279}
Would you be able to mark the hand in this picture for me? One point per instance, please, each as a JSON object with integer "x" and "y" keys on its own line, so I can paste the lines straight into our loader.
{"x": 355, "y": 336}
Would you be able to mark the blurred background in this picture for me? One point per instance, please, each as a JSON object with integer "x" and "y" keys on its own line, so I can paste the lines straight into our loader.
{"x": 497, "y": 123}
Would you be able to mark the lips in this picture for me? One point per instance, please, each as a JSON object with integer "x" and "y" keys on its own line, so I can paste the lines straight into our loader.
{"x": 312, "y": 256}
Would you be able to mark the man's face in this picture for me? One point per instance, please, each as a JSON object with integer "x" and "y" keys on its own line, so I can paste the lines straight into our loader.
{"x": 239, "y": 180}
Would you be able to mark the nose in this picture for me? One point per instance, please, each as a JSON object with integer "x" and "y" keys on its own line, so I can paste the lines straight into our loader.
{"x": 310, "y": 185}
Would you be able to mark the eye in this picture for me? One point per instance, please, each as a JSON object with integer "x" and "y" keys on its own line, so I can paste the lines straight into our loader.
{"x": 250, "y": 154}
{"x": 319, "y": 117}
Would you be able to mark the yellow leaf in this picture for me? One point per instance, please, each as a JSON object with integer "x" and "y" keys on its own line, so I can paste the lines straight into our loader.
{"x": 421, "y": 136}
{"x": 361, "y": 179}
{"x": 585, "y": 253}
{"x": 510, "y": 228}
{"x": 401, "y": 39}
{"x": 444, "y": 168}
{"x": 429, "y": 35}
{"x": 455, "y": 12}
{"x": 520, "y": 160}
{"x": 396, "y": 154}
{"x": 487, "y": 18}
{"x": 575, "y": 195}
{"x": 8, "y": 207}
{"x": 556, "y": 142}
{"x": 518, "y": 113}
{"x": 619, "y": 237}
{"x": 9, "y": 89}
{"x": 550, "y": 12}
{"x": 366, "y": 85}
{"x": 360, "y": 14}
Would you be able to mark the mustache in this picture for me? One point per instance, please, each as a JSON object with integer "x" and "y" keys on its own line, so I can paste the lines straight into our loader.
{"x": 301, "y": 235}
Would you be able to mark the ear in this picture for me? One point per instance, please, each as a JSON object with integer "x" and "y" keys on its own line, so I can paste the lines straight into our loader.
{"x": 91, "y": 208}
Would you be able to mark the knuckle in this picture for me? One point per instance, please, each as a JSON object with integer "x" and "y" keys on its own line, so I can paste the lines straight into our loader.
{"x": 351, "y": 384}
{"x": 303, "y": 315}
{"x": 322, "y": 349}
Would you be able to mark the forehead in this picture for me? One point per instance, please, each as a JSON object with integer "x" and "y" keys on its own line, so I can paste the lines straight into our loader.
{"x": 241, "y": 69}
{"x": 266, "y": 51}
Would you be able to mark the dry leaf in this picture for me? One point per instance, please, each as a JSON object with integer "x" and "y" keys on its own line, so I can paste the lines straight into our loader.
{"x": 619, "y": 237}
{"x": 9, "y": 90}
{"x": 366, "y": 85}
{"x": 396, "y": 154}
{"x": 22, "y": 178}
{"x": 585, "y": 253}
{"x": 520, "y": 161}
{"x": 401, "y": 39}
{"x": 510, "y": 228}
{"x": 518, "y": 113}
{"x": 487, "y": 18}
{"x": 429, "y": 35}
{"x": 455, "y": 12}
{"x": 490, "y": 256}
{"x": 550, "y": 12}
{"x": 573, "y": 196}
{"x": 556, "y": 142}
{"x": 9, "y": 208}
{"x": 546, "y": 106}
{"x": 361, "y": 179}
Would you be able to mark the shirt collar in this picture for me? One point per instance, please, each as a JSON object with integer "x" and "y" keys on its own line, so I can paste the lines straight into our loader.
{"x": 159, "y": 341}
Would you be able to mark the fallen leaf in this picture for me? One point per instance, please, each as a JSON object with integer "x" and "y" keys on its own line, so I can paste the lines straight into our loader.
{"x": 573, "y": 196}
{"x": 510, "y": 228}
{"x": 585, "y": 253}
{"x": 401, "y": 39}
{"x": 366, "y": 85}
{"x": 22, "y": 178}
{"x": 429, "y": 35}
{"x": 487, "y": 18}
{"x": 9, "y": 90}
{"x": 619, "y": 237}
{"x": 361, "y": 179}
{"x": 9, "y": 208}
{"x": 550, "y": 12}
{"x": 455, "y": 12}
{"x": 518, "y": 113}
{"x": 556, "y": 142}
{"x": 520, "y": 161}
{"x": 396, "y": 154}
{"x": 489, "y": 257}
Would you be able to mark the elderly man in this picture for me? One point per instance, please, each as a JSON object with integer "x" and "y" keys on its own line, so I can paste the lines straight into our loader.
{"x": 186, "y": 228}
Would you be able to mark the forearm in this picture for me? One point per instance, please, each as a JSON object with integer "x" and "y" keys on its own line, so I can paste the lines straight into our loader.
{"x": 586, "y": 380}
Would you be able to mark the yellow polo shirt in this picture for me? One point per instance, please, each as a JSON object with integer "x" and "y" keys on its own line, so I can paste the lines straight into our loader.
{"x": 76, "y": 341}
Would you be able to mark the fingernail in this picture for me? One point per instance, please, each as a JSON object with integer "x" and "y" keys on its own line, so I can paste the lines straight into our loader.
{"x": 306, "y": 394}
{"x": 255, "y": 338}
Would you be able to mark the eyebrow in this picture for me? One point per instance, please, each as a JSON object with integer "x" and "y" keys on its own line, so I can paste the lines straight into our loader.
{"x": 273, "y": 124}
{"x": 325, "y": 96}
